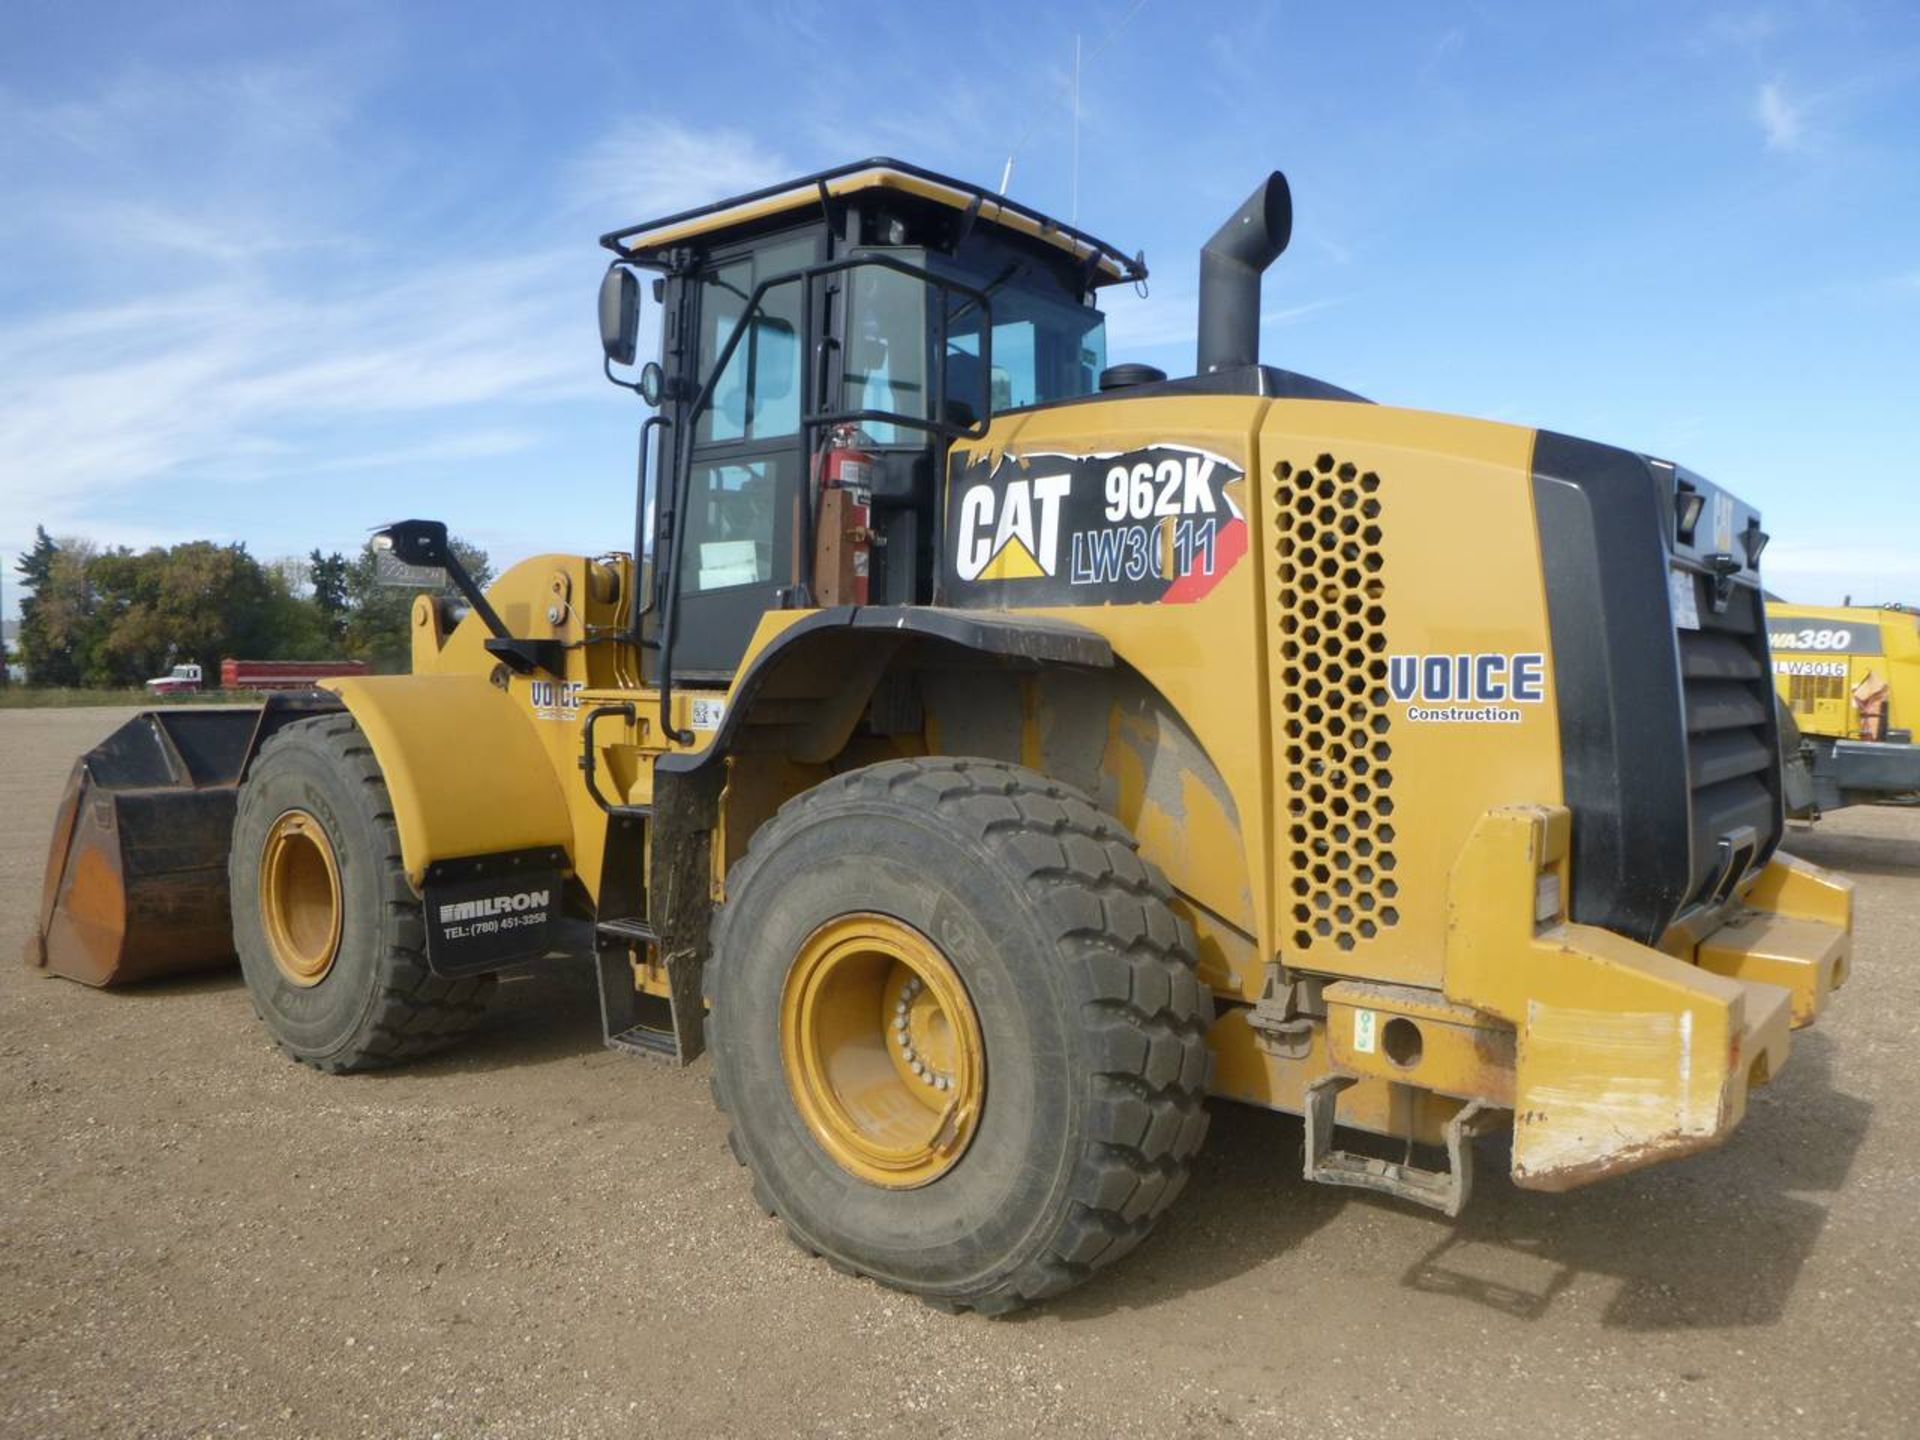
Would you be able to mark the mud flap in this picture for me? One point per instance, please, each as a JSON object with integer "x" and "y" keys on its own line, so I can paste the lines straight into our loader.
{"x": 486, "y": 912}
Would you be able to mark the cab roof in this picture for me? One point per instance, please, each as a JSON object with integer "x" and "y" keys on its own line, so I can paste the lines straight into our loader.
{"x": 647, "y": 241}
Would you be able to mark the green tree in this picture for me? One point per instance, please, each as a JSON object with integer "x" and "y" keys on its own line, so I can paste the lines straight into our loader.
{"x": 327, "y": 574}
{"x": 59, "y": 624}
{"x": 379, "y": 625}
{"x": 199, "y": 602}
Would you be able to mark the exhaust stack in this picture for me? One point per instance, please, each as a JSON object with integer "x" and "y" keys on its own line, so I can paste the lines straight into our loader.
{"x": 1230, "y": 267}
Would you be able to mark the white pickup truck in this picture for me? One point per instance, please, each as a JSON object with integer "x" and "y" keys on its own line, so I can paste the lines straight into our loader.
{"x": 181, "y": 680}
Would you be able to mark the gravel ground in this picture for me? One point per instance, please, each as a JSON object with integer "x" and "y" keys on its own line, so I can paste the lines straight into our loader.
{"x": 538, "y": 1238}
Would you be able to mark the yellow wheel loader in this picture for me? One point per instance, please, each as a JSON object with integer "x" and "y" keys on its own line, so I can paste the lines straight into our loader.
{"x": 1848, "y": 683}
{"x": 992, "y": 755}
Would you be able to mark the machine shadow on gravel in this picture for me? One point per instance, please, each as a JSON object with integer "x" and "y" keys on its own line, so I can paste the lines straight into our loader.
{"x": 1668, "y": 1237}
{"x": 542, "y": 1013}
{"x": 1856, "y": 854}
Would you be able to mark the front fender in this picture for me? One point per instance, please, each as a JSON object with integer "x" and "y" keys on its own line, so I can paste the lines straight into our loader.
{"x": 465, "y": 771}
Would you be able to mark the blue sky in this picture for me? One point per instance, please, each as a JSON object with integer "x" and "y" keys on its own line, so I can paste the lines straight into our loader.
{"x": 279, "y": 273}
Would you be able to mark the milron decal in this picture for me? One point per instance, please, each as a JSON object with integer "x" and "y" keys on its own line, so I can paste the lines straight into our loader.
{"x": 1477, "y": 687}
{"x": 465, "y": 918}
{"x": 1153, "y": 525}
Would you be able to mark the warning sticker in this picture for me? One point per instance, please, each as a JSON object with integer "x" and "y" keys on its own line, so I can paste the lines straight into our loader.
{"x": 1686, "y": 599}
{"x": 1363, "y": 1027}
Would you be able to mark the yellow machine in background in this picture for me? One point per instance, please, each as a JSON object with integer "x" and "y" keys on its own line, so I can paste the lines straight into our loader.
{"x": 1849, "y": 677}
{"x": 990, "y": 754}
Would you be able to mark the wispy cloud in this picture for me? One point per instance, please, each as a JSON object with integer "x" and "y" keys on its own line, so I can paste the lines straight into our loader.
{"x": 1745, "y": 29}
{"x": 649, "y": 167}
{"x": 114, "y": 397}
{"x": 1827, "y": 574}
{"x": 1168, "y": 318}
{"x": 1783, "y": 120}
{"x": 219, "y": 358}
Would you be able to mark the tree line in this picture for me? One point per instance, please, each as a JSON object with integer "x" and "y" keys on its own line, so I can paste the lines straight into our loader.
{"x": 92, "y": 616}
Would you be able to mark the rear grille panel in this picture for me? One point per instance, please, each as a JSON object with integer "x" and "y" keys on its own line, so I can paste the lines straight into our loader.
{"x": 1338, "y": 748}
{"x": 1668, "y": 744}
{"x": 1731, "y": 738}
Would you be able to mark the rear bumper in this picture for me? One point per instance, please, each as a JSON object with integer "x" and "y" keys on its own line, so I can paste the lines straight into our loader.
{"x": 1626, "y": 1056}
{"x": 1795, "y": 931}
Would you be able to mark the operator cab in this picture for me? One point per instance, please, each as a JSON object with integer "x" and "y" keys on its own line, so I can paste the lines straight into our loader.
{"x": 876, "y": 311}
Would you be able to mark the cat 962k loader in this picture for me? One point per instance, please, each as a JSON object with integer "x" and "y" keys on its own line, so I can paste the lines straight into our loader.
{"x": 990, "y": 754}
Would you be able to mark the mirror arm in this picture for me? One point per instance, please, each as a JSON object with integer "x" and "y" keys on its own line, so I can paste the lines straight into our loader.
{"x": 472, "y": 594}
{"x": 606, "y": 365}
{"x": 425, "y": 542}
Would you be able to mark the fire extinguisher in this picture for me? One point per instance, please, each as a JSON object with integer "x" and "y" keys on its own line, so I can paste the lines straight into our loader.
{"x": 843, "y": 534}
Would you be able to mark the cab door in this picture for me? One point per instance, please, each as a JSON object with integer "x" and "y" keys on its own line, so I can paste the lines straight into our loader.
{"x": 738, "y": 547}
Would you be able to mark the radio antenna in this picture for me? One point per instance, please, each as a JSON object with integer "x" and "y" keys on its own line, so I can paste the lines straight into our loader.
{"x": 1070, "y": 92}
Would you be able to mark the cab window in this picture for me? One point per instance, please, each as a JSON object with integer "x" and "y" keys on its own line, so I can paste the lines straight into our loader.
{"x": 886, "y": 360}
{"x": 1043, "y": 349}
{"x": 758, "y": 395}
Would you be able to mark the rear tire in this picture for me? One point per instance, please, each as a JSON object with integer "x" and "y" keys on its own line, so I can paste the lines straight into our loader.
{"x": 1074, "y": 966}
{"x": 315, "y": 801}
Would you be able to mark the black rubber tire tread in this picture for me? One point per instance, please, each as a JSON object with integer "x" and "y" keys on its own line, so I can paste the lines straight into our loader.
{"x": 1145, "y": 1010}
{"x": 411, "y": 1013}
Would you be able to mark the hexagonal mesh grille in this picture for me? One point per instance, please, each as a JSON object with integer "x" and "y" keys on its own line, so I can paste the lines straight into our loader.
{"x": 1333, "y": 701}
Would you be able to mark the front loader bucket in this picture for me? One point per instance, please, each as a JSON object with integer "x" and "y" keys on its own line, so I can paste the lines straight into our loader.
{"x": 137, "y": 875}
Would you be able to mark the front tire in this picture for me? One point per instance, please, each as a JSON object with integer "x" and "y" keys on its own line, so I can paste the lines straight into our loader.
{"x": 330, "y": 933}
{"x": 958, "y": 1031}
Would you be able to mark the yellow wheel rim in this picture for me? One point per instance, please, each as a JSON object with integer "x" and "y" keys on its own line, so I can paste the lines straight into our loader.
{"x": 300, "y": 898}
{"x": 882, "y": 1050}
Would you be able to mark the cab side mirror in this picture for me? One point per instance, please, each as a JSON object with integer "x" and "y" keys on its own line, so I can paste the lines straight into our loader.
{"x": 620, "y": 315}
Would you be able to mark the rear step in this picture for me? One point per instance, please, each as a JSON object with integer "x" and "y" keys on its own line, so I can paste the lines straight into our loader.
{"x": 632, "y": 1021}
{"x": 1442, "y": 1190}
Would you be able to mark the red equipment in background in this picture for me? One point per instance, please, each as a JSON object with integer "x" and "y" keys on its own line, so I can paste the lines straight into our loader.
{"x": 284, "y": 674}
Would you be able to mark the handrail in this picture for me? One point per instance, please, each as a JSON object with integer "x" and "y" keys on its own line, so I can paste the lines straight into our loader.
{"x": 809, "y": 422}
{"x": 586, "y": 760}
{"x": 642, "y": 604}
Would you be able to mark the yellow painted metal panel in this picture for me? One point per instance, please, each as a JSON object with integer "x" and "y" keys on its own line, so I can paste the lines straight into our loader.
{"x": 1249, "y": 1072}
{"x": 1790, "y": 886}
{"x": 1418, "y": 1037}
{"x": 1807, "y": 958}
{"x": 1394, "y": 538}
{"x": 1206, "y": 658}
{"x": 1823, "y": 703}
{"x": 1626, "y": 1056}
{"x": 466, "y": 775}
